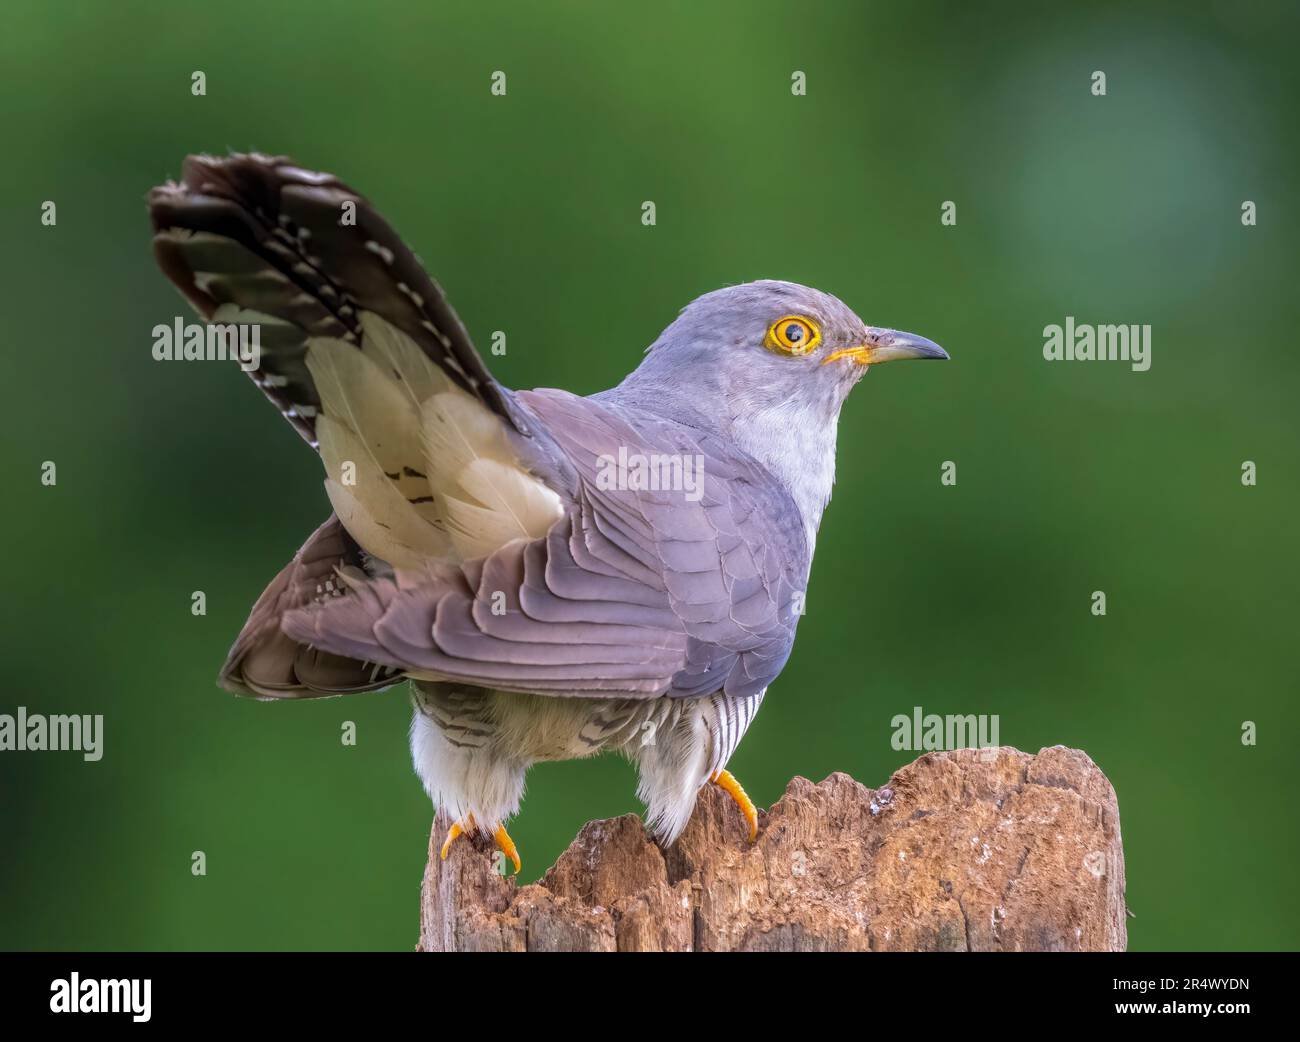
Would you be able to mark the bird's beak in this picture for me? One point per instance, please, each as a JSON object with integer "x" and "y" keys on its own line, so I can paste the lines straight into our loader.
{"x": 887, "y": 345}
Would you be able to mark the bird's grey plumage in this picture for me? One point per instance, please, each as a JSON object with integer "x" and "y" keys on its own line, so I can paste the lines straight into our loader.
{"x": 637, "y": 594}
{"x": 781, "y": 412}
{"x": 638, "y": 619}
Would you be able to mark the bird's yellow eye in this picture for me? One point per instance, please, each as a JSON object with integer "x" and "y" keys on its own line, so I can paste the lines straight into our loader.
{"x": 793, "y": 335}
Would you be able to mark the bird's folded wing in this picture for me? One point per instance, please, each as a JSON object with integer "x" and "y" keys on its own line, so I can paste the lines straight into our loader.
{"x": 633, "y": 593}
{"x": 583, "y": 639}
{"x": 723, "y": 538}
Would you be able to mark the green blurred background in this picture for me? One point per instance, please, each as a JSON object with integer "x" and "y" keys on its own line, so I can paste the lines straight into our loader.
{"x": 973, "y": 599}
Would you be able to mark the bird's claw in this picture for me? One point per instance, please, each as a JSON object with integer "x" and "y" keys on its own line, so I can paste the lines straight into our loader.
{"x": 456, "y": 830}
{"x": 726, "y": 781}
{"x": 507, "y": 846}
{"x": 503, "y": 841}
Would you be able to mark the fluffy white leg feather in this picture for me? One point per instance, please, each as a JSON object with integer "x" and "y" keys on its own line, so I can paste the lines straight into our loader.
{"x": 673, "y": 769}
{"x": 462, "y": 766}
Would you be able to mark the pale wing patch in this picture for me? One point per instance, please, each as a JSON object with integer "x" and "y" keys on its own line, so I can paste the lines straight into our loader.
{"x": 371, "y": 534}
{"x": 435, "y": 477}
{"x": 358, "y": 394}
{"x": 386, "y": 524}
{"x": 476, "y": 531}
{"x": 416, "y": 373}
{"x": 489, "y": 500}
{"x": 506, "y": 489}
{"x": 458, "y": 430}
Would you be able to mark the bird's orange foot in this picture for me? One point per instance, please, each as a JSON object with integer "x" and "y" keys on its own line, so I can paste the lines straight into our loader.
{"x": 507, "y": 846}
{"x": 726, "y": 781}
{"x": 502, "y": 837}
{"x": 456, "y": 831}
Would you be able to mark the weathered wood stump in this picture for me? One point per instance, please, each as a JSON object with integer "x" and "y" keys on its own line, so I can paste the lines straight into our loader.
{"x": 974, "y": 850}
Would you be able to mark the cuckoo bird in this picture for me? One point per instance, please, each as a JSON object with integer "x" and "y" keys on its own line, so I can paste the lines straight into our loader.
{"x": 516, "y": 555}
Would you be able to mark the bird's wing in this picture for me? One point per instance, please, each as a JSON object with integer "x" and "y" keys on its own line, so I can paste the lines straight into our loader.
{"x": 730, "y": 553}
{"x": 632, "y": 593}
{"x": 428, "y": 459}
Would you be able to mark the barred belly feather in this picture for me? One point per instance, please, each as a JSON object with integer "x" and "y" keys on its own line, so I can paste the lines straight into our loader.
{"x": 472, "y": 746}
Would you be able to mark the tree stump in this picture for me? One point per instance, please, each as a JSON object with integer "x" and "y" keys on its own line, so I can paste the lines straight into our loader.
{"x": 973, "y": 850}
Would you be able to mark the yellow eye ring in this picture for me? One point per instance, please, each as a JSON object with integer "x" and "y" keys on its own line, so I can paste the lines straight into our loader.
{"x": 793, "y": 335}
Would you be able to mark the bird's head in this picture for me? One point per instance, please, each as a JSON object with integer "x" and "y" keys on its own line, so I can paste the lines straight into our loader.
{"x": 768, "y": 365}
{"x": 772, "y": 346}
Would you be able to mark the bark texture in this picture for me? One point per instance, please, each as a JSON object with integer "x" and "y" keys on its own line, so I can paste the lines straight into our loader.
{"x": 992, "y": 850}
